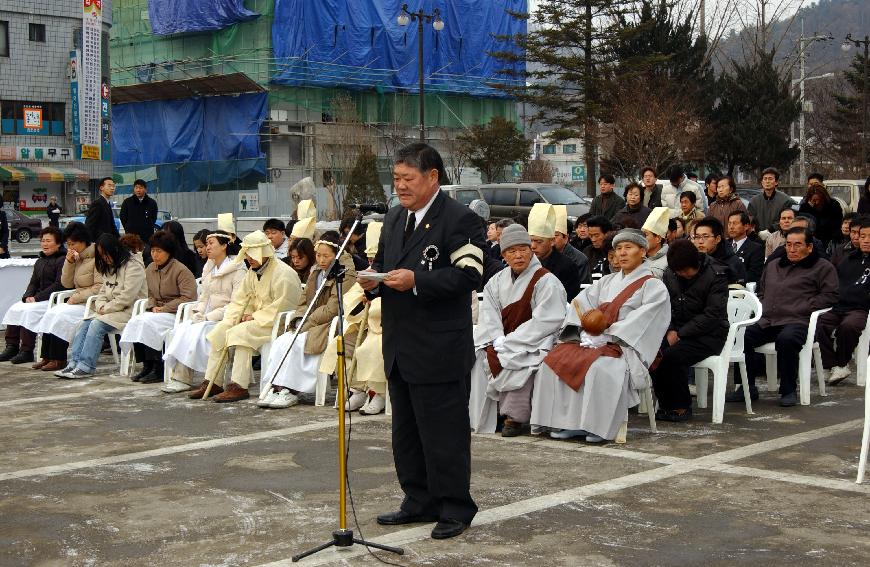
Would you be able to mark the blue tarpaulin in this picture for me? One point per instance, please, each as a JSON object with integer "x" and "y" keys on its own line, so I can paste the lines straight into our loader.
{"x": 186, "y": 16}
{"x": 359, "y": 44}
{"x": 196, "y": 129}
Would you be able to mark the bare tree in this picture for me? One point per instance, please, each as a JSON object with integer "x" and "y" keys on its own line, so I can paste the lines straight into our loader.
{"x": 538, "y": 171}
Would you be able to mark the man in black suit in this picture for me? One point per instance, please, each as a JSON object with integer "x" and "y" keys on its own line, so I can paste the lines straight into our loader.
{"x": 431, "y": 248}
{"x": 4, "y": 233}
{"x": 751, "y": 252}
{"x": 99, "y": 219}
{"x": 139, "y": 212}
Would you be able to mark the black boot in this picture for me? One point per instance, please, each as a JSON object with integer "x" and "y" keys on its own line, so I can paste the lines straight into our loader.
{"x": 147, "y": 368}
{"x": 22, "y": 357}
{"x": 157, "y": 376}
{"x": 10, "y": 351}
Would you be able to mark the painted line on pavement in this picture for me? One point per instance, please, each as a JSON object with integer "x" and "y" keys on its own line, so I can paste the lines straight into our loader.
{"x": 61, "y": 397}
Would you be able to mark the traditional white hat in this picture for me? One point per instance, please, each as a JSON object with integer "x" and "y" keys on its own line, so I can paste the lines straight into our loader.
{"x": 542, "y": 221}
{"x": 561, "y": 218}
{"x": 373, "y": 235}
{"x": 306, "y": 209}
{"x": 226, "y": 223}
{"x": 353, "y": 299}
{"x": 304, "y": 228}
{"x": 257, "y": 246}
{"x": 657, "y": 221}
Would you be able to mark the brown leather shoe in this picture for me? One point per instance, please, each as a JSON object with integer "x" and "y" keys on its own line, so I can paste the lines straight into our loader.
{"x": 40, "y": 364}
{"x": 53, "y": 365}
{"x": 233, "y": 393}
{"x": 200, "y": 391}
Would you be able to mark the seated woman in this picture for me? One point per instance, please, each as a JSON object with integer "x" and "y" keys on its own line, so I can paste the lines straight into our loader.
{"x": 188, "y": 350}
{"x": 123, "y": 276}
{"x": 22, "y": 319}
{"x": 183, "y": 253}
{"x": 169, "y": 285}
{"x": 199, "y": 244}
{"x": 297, "y": 371}
{"x": 611, "y": 336}
{"x": 301, "y": 257}
{"x": 79, "y": 273}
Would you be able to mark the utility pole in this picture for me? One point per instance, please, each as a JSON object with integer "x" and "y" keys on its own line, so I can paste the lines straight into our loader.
{"x": 847, "y": 45}
{"x": 702, "y": 10}
{"x": 404, "y": 18}
{"x": 804, "y": 43}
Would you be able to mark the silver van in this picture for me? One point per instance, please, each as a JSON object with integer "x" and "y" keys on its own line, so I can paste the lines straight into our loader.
{"x": 515, "y": 200}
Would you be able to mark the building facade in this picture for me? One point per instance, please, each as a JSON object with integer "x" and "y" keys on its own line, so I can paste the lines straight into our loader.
{"x": 38, "y": 157}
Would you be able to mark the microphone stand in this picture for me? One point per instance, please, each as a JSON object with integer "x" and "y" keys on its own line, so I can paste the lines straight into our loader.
{"x": 342, "y": 537}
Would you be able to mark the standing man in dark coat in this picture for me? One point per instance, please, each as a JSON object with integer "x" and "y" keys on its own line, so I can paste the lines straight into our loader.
{"x": 139, "y": 212}
{"x": 4, "y": 233}
{"x": 431, "y": 248}
{"x": 652, "y": 191}
{"x": 53, "y": 211}
{"x": 606, "y": 203}
{"x": 99, "y": 219}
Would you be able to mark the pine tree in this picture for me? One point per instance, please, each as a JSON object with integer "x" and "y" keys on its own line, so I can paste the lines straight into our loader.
{"x": 493, "y": 146}
{"x": 364, "y": 185}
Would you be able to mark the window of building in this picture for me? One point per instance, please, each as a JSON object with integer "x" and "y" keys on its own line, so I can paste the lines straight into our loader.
{"x": 36, "y": 32}
{"x": 550, "y": 149}
{"x": 569, "y": 148}
{"x": 4, "y": 38}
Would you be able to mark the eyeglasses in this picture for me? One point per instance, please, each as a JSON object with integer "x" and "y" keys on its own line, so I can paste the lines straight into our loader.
{"x": 703, "y": 237}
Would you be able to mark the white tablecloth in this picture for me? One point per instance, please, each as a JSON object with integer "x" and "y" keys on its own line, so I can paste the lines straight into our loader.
{"x": 14, "y": 274}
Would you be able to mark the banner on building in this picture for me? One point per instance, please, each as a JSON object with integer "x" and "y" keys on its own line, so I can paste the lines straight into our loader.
{"x": 74, "y": 58}
{"x": 90, "y": 133}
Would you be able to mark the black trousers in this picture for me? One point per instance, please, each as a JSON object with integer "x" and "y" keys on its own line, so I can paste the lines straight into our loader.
{"x": 849, "y": 326}
{"x": 144, "y": 353}
{"x": 53, "y": 348}
{"x": 789, "y": 340}
{"x": 20, "y": 337}
{"x": 432, "y": 446}
{"x": 671, "y": 378}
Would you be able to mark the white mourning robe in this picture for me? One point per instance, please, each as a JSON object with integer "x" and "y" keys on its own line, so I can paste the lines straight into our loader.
{"x": 611, "y": 384}
{"x": 524, "y": 349}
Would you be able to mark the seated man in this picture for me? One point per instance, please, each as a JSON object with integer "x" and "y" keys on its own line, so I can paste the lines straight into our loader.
{"x": 809, "y": 223}
{"x": 542, "y": 232}
{"x": 274, "y": 229}
{"x": 791, "y": 288}
{"x": 850, "y": 244}
{"x": 656, "y": 231}
{"x": 698, "y": 329}
{"x": 596, "y": 229}
{"x": 589, "y": 380}
{"x": 849, "y": 315}
{"x": 777, "y": 238}
{"x": 708, "y": 236}
{"x": 269, "y": 287}
{"x": 521, "y": 315}
{"x": 751, "y": 253}
{"x": 562, "y": 244}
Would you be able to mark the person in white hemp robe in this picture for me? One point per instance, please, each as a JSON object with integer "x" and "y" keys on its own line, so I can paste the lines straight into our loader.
{"x": 521, "y": 314}
{"x": 605, "y": 370}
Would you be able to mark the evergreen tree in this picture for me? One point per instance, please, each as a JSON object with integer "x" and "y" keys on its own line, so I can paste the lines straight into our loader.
{"x": 847, "y": 117}
{"x": 364, "y": 185}
{"x": 493, "y": 146}
{"x": 753, "y": 117}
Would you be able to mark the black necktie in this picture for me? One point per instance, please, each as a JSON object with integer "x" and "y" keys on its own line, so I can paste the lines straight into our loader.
{"x": 409, "y": 228}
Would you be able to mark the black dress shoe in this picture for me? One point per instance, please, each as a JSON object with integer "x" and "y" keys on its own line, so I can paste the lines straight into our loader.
{"x": 401, "y": 517}
{"x": 147, "y": 368}
{"x": 22, "y": 357}
{"x": 788, "y": 400}
{"x": 448, "y": 528}
{"x": 9, "y": 352}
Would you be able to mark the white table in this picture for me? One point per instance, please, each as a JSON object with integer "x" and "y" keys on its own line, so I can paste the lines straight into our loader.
{"x": 14, "y": 276}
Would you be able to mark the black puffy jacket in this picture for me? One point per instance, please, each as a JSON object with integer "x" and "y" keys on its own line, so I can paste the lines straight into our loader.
{"x": 699, "y": 305}
{"x": 45, "y": 279}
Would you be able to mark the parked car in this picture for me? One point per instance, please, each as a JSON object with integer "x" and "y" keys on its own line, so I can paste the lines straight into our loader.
{"x": 515, "y": 200}
{"x": 747, "y": 193}
{"x": 22, "y": 227}
{"x": 81, "y": 218}
{"x": 162, "y": 217}
{"x": 847, "y": 191}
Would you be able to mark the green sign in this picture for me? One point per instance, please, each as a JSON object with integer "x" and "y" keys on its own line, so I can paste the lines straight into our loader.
{"x": 578, "y": 173}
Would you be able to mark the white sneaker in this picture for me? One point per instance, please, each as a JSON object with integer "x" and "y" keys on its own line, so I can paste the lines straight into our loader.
{"x": 374, "y": 406}
{"x": 174, "y": 386}
{"x": 284, "y": 399}
{"x": 356, "y": 400}
{"x": 62, "y": 373}
{"x": 838, "y": 374}
{"x": 568, "y": 433}
{"x": 590, "y": 438}
{"x": 268, "y": 399}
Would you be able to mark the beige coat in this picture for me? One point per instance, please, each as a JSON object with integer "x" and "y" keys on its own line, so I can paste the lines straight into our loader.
{"x": 82, "y": 275}
{"x": 325, "y": 309}
{"x": 276, "y": 290}
{"x": 169, "y": 285}
{"x": 217, "y": 289}
{"x": 120, "y": 291}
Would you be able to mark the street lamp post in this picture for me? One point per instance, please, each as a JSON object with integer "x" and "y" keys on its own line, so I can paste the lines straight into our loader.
{"x": 804, "y": 43}
{"x": 405, "y": 17}
{"x": 847, "y": 45}
{"x": 801, "y": 136}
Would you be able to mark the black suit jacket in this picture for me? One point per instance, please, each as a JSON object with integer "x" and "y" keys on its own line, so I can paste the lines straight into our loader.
{"x": 429, "y": 334}
{"x": 752, "y": 254}
{"x": 99, "y": 218}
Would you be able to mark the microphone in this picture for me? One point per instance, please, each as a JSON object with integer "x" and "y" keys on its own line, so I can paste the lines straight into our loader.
{"x": 370, "y": 208}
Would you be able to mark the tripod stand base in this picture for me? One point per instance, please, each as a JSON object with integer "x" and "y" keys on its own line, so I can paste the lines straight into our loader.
{"x": 344, "y": 538}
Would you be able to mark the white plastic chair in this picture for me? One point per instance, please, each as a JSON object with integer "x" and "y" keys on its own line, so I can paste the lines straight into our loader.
{"x": 804, "y": 362}
{"x": 181, "y": 314}
{"x": 860, "y": 355}
{"x": 647, "y": 405}
{"x": 865, "y": 438}
{"x": 744, "y": 309}
{"x": 123, "y": 361}
{"x": 55, "y": 299}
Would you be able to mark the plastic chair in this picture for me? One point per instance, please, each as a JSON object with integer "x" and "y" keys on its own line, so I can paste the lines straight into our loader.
{"x": 647, "y": 405}
{"x": 181, "y": 314}
{"x": 865, "y": 438}
{"x": 860, "y": 355}
{"x": 804, "y": 361}
{"x": 744, "y": 309}
{"x": 55, "y": 299}
{"x": 125, "y": 368}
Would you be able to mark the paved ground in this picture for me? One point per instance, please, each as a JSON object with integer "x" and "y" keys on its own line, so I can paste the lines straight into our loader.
{"x": 106, "y": 472}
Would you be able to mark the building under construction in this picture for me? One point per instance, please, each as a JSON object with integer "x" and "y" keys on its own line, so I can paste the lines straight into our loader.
{"x": 220, "y": 104}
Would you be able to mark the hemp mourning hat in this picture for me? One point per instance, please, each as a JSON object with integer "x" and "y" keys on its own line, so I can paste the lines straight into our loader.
{"x": 561, "y": 218}
{"x": 657, "y": 221}
{"x": 633, "y": 235}
{"x": 542, "y": 221}
{"x": 226, "y": 223}
{"x": 514, "y": 235}
{"x": 373, "y": 235}
{"x": 306, "y": 209}
{"x": 304, "y": 228}
{"x": 257, "y": 246}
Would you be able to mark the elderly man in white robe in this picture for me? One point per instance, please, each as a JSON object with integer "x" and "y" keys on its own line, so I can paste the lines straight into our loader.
{"x": 522, "y": 312}
{"x": 612, "y": 334}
